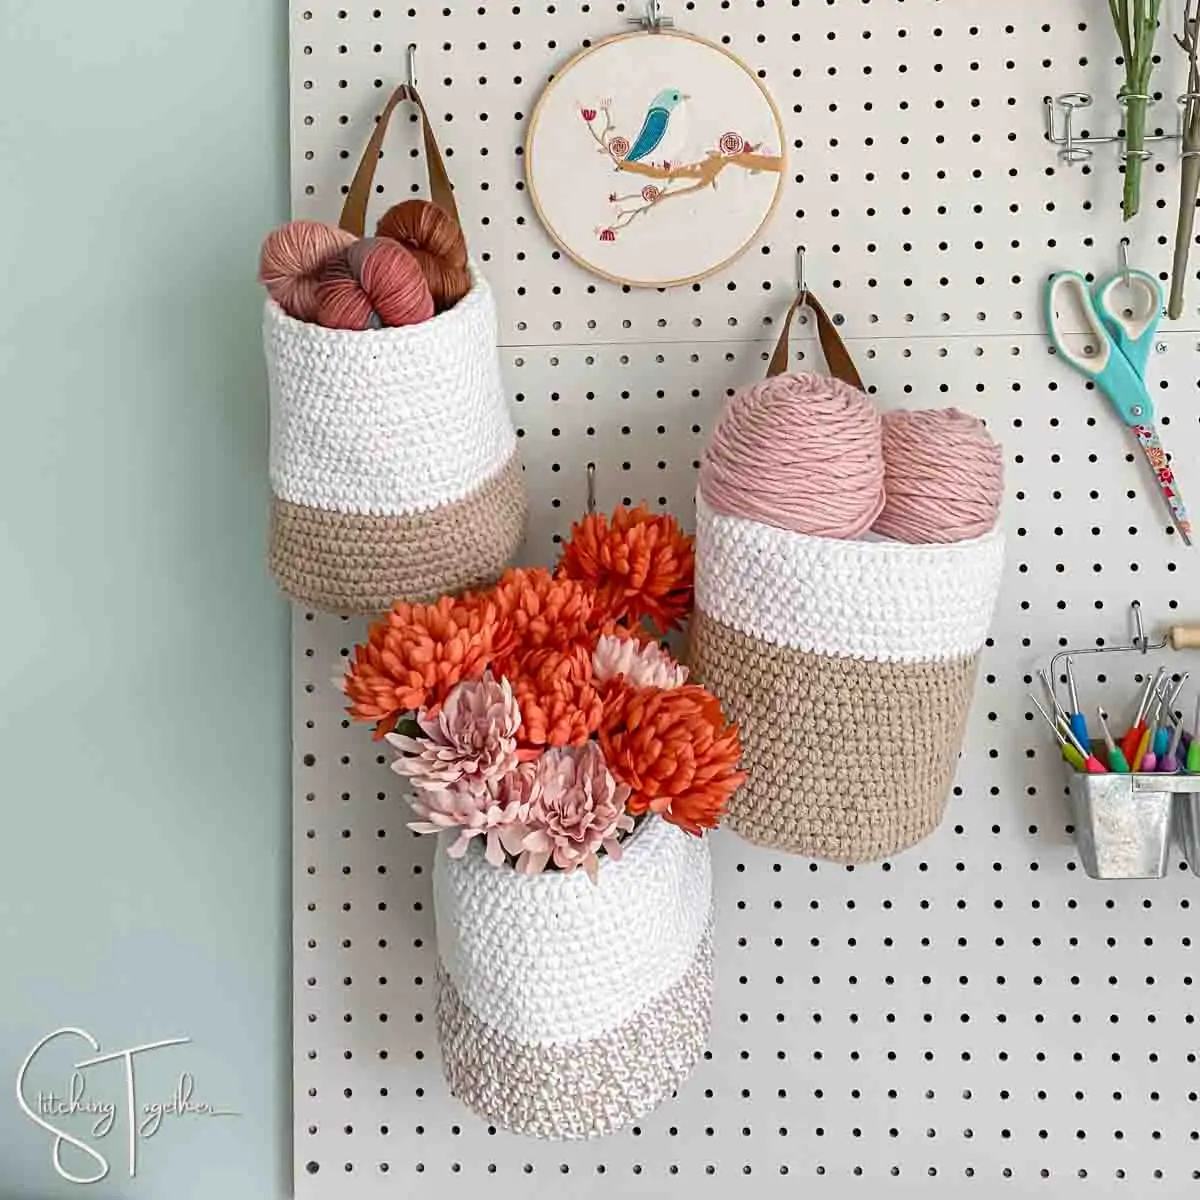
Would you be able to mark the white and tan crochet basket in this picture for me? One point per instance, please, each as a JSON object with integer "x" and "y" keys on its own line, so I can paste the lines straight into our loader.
{"x": 394, "y": 465}
{"x": 566, "y": 1008}
{"x": 849, "y": 667}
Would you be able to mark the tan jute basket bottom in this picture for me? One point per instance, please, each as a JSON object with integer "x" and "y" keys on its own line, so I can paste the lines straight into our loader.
{"x": 848, "y": 760}
{"x": 352, "y": 563}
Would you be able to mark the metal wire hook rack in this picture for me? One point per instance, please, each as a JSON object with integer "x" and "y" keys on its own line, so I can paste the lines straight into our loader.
{"x": 1075, "y": 149}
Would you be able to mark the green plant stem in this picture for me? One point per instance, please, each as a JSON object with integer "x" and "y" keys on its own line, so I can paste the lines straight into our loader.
{"x": 1189, "y": 175}
{"x": 1136, "y": 24}
{"x": 1189, "y": 182}
{"x": 1135, "y": 134}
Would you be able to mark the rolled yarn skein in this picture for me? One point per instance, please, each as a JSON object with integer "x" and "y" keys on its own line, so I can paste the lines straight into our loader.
{"x": 943, "y": 476}
{"x": 801, "y": 452}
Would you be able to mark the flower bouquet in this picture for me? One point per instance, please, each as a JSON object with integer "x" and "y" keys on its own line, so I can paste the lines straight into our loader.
{"x": 572, "y": 770}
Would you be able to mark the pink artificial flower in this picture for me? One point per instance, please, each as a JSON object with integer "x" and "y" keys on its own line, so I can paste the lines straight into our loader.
{"x": 576, "y": 808}
{"x": 643, "y": 666}
{"x": 470, "y": 745}
{"x": 499, "y": 814}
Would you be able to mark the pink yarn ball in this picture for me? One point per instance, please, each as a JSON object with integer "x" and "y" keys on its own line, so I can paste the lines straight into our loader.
{"x": 374, "y": 282}
{"x": 801, "y": 452}
{"x": 944, "y": 476}
{"x": 291, "y": 261}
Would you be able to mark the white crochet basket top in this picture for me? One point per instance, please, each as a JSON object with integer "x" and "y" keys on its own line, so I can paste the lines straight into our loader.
{"x": 879, "y": 600}
{"x": 557, "y": 959}
{"x": 387, "y": 421}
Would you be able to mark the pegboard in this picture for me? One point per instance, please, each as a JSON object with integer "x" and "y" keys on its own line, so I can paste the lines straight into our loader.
{"x": 974, "y": 1014}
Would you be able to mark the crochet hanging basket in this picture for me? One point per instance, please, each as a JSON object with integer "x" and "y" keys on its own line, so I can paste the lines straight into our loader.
{"x": 394, "y": 466}
{"x": 566, "y": 1008}
{"x": 849, "y": 667}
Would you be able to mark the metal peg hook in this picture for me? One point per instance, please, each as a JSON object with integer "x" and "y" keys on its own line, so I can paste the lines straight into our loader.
{"x": 801, "y": 283}
{"x": 411, "y": 64}
{"x": 1123, "y": 257}
{"x": 653, "y": 20}
{"x": 1139, "y": 639}
{"x": 591, "y": 488}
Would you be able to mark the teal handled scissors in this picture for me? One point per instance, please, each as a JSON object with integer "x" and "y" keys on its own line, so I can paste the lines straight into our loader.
{"x": 1120, "y": 330}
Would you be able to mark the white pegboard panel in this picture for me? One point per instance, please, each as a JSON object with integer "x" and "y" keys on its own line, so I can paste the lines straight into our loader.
{"x": 974, "y": 1013}
{"x": 919, "y": 178}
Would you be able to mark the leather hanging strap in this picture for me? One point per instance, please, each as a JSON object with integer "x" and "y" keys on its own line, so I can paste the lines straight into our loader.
{"x": 354, "y": 210}
{"x": 837, "y": 357}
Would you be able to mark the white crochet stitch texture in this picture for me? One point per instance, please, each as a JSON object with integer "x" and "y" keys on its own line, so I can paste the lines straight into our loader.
{"x": 556, "y": 959}
{"x": 387, "y": 422}
{"x": 879, "y": 600}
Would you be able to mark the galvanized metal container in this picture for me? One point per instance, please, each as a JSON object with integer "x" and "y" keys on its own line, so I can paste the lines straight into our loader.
{"x": 1123, "y": 822}
{"x": 1187, "y": 823}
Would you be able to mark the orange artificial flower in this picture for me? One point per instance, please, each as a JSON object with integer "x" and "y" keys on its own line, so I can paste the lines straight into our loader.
{"x": 416, "y": 653}
{"x": 641, "y": 565}
{"x": 539, "y": 610}
{"x": 674, "y": 748}
{"x": 560, "y": 705}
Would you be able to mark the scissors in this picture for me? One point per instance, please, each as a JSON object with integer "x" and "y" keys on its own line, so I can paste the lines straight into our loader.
{"x": 1121, "y": 330}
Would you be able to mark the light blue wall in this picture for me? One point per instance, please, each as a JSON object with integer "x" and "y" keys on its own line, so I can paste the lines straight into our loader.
{"x": 143, "y": 666}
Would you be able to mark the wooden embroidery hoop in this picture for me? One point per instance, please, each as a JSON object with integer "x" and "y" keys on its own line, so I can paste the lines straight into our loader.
{"x": 531, "y": 133}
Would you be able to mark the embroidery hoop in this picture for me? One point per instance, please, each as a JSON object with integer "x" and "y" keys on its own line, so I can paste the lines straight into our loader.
{"x": 659, "y": 32}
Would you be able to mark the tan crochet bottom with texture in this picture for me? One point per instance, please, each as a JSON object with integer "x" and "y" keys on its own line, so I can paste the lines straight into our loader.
{"x": 579, "y": 1089}
{"x": 848, "y": 759}
{"x": 351, "y": 563}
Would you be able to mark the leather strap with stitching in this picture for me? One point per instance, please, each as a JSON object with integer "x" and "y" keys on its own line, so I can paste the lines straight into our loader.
{"x": 354, "y": 210}
{"x": 841, "y": 365}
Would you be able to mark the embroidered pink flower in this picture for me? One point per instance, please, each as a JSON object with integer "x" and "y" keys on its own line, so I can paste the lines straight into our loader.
{"x": 576, "y": 810}
{"x": 498, "y": 813}
{"x": 588, "y": 114}
{"x": 470, "y": 744}
{"x": 642, "y": 665}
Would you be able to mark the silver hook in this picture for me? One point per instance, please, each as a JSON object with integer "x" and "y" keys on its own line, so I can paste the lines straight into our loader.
{"x": 591, "y": 488}
{"x": 801, "y": 283}
{"x": 412, "y": 64}
{"x": 652, "y": 20}
{"x": 1139, "y": 639}
{"x": 1123, "y": 257}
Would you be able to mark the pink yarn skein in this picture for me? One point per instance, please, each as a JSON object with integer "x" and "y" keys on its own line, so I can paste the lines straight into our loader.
{"x": 944, "y": 476}
{"x": 801, "y": 452}
{"x": 291, "y": 260}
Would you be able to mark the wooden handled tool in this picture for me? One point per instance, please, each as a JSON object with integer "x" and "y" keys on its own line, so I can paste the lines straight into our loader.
{"x": 1185, "y": 637}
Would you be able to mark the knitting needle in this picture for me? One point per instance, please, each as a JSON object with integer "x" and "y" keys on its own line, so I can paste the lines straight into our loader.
{"x": 1116, "y": 760}
{"x": 1079, "y": 761}
{"x": 1078, "y": 722}
{"x": 1168, "y": 764}
{"x": 1132, "y": 739}
{"x": 1193, "y": 754}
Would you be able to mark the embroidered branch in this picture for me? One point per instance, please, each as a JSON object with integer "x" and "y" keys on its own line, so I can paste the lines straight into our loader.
{"x": 671, "y": 180}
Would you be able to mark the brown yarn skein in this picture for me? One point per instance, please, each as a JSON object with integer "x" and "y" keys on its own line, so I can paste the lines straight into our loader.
{"x": 435, "y": 239}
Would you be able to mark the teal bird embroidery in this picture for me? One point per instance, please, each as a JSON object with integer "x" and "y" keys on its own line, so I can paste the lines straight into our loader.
{"x": 655, "y": 126}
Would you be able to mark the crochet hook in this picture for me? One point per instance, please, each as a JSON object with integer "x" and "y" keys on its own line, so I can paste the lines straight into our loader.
{"x": 1146, "y": 759}
{"x": 1133, "y": 738}
{"x": 1193, "y": 754}
{"x": 1116, "y": 760}
{"x": 1168, "y": 763}
{"x": 1079, "y": 761}
{"x": 1164, "y": 734}
{"x": 1078, "y": 722}
{"x": 1062, "y": 720}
